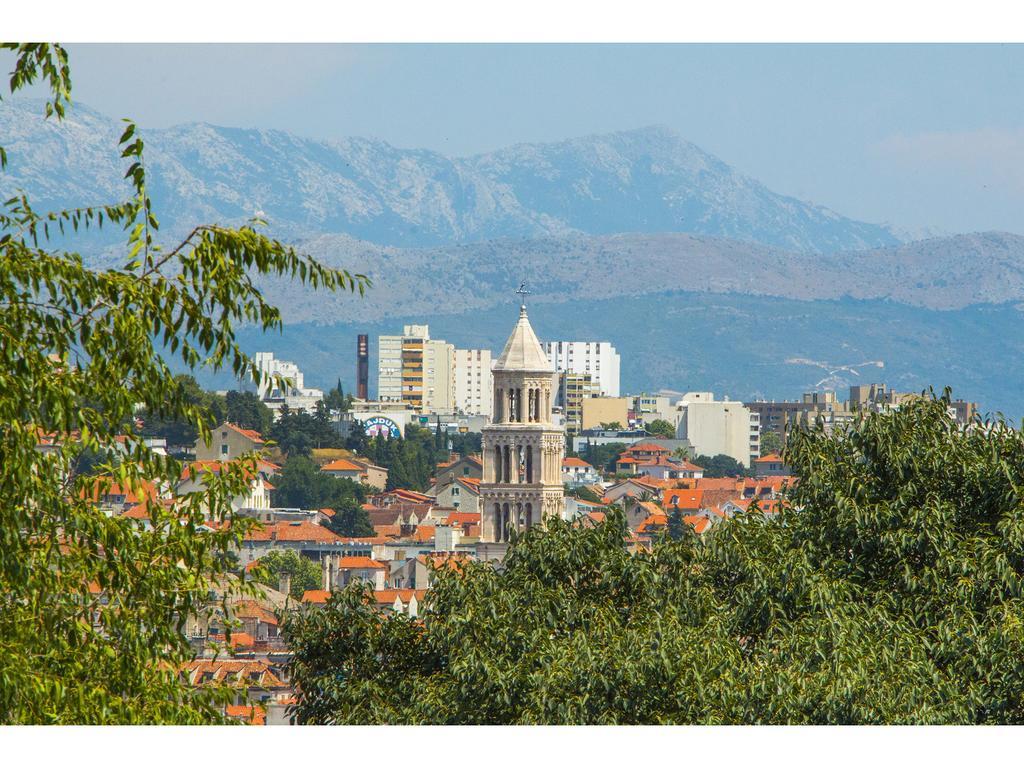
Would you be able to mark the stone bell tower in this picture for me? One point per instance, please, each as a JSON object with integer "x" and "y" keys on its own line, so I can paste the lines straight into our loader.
{"x": 522, "y": 449}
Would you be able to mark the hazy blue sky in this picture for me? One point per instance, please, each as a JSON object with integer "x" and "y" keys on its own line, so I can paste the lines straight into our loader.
{"x": 921, "y": 136}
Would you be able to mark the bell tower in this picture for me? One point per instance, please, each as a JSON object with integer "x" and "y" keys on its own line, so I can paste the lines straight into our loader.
{"x": 522, "y": 448}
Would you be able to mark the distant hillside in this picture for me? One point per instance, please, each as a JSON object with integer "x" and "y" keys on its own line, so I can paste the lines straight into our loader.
{"x": 944, "y": 273}
{"x": 646, "y": 180}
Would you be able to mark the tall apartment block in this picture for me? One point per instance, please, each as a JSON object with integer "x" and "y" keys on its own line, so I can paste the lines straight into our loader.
{"x": 597, "y": 358}
{"x": 473, "y": 382}
{"x": 415, "y": 369}
{"x": 573, "y": 389}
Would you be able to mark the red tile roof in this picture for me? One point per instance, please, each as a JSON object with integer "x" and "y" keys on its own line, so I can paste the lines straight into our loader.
{"x": 360, "y": 563}
{"x": 252, "y": 434}
{"x": 387, "y": 596}
{"x": 683, "y": 498}
{"x": 342, "y": 465}
{"x": 771, "y": 457}
{"x": 303, "y": 531}
{"x": 250, "y": 609}
{"x": 573, "y": 461}
{"x": 647, "y": 448}
{"x": 462, "y": 518}
{"x": 251, "y": 714}
{"x": 316, "y": 596}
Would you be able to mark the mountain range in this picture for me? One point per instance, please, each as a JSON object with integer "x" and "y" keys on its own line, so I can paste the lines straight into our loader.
{"x": 677, "y": 249}
{"x": 646, "y": 180}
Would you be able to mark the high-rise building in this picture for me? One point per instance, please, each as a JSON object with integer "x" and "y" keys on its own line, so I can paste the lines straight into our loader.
{"x": 573, "y": 389}
{"x": 362, "y": 366}
{"x": 292, "y": 392}
{"x": 598, "y": 358}
{"x": 719, "y": 426}
{"x": 473, "y": 382}
{"x": 522, "y": 448}
{"x": 415, "y": 369}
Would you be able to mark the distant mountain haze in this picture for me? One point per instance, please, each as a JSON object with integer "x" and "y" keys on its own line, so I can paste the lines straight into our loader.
{"x": 646, "y": 180}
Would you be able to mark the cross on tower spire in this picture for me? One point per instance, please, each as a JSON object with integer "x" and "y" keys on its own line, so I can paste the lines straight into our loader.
{"x": 523, "y": 293}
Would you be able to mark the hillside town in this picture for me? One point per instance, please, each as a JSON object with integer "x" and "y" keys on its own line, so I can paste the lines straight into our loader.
{"x": 539, "y": 431}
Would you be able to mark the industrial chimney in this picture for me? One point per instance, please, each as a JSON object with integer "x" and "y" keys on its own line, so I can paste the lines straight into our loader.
{"x": 362, "y": 366}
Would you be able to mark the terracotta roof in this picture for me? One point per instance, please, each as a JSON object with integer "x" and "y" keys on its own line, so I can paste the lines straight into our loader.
{"x": 423, "y": 534}
{"x": 240, "y": 672}
{"x": 387, "y": 596}
{"x": 472, "y": 483}
{"x": 316, "y": 596}
{"x": 653, "y": 521}
{"x": 138, "y": 512}
{"x": 682, "y": 498}
{"x": 771, "y": 457}
{"x": 651, "y": 508}
{"x": 326, "y": 511}
{"x": 250, "y": 609}
{"x": 342, "y": 465}
{"x": 360, "y": 563}
{"x": 462, "y": 518}
{"x": 251, "y": 714}
{"x": 292, "y": 531}
{"x": 388, "y": 530}
{"x": 719, "y": 483}
{"x": 252, "y": 434}
{"x": 133, "y": 494}
{"x": 573, "y": 461}
{"x": 699, "y": 524}
{"x": 647, "y": 448}
{"x": 242, "y": 640}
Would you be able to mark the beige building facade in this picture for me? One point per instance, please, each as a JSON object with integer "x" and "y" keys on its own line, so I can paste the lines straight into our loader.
{"x": 605, "y": 410}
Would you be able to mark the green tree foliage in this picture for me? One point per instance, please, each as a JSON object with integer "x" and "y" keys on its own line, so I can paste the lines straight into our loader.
{"x": 887, "y": 590}
{"x": 179, "y": 432}
{"x": 583, "y": 492}
{"x": 612, "y": 426}
{"x": 350, "y": 519}
{"x": 297, "y": 433}
{"x": 661, "y": 428}
{"x": 305, "y": 573}
{"x": 770, "y": 442}
{"x": 246, "y": 410}
{"x": 337, "y": 400}
{"x": 676, "y": 528}
{"x": 720, "y": 466}
{"x": 91, "y": 606}
{"x": 603, "y": 457}
{"x": 301, "y": 484}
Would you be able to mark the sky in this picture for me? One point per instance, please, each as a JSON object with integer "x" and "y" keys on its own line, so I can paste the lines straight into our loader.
{"x": 929, "y": 138}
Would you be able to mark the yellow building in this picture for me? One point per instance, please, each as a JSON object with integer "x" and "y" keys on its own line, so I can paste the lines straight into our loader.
{"x": 605, "y": 410}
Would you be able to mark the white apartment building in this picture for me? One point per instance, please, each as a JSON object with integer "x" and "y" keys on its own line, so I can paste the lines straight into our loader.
{"x": 416, "y": 370}
{"x": 295, "y": 394}
{"x": 473, "y": 382}
{"x": 718, "y": 426}
{"x": 598, "y": 358}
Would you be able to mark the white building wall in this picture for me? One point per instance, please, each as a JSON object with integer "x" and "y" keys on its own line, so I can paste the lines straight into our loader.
{"x": 598, "y": 358}
{"x": 298, "y": 394}
{"x": 389, "y": 369}
{"x": 438, "y": 376}
{"x": 713, "y": 427}
{"x": 473, "y": 382}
